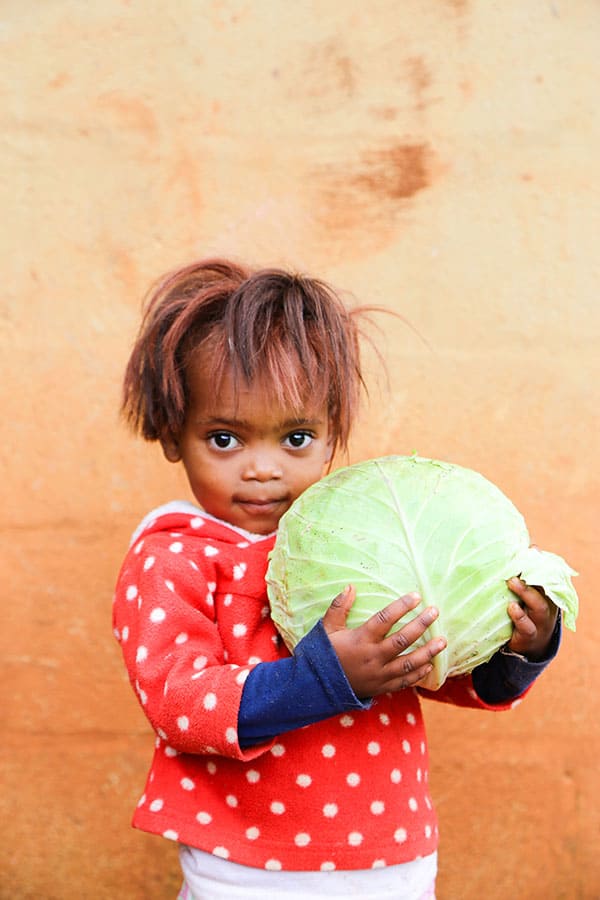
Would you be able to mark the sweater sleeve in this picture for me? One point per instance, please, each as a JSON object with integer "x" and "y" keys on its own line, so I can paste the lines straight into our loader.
{"x": 507, "y": 676}
{"x": 290, "y": 693}
{"x": 311, "y": 685}
{"x": 164, "y": 620}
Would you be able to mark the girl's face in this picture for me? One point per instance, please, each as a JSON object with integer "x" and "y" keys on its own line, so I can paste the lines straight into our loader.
{"x": 247, "y": 458}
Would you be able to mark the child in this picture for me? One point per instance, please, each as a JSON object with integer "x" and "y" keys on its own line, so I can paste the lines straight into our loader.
{"x": 303, "y": 774}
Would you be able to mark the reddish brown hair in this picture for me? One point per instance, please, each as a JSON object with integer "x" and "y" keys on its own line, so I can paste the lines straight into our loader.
{"x": 290, "y": 330}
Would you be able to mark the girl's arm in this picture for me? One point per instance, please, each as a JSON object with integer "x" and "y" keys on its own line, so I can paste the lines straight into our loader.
{"x": 165, "y": 622}
{"x": 508, "y": 675}
{"x": 312, "y": 685}
{"x": 290, "y": 693}
{"x": 533, "y": 645}
{"x": 315, "y": 684}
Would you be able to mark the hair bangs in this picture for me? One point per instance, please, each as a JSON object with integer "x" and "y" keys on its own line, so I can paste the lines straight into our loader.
{"x": 291, "y": 333}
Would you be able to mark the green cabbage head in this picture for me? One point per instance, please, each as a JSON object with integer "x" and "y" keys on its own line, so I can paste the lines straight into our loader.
{"x": 398, "y": 524}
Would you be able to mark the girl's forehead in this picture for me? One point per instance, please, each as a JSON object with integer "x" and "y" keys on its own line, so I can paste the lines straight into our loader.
{"x": 218, "y": 395}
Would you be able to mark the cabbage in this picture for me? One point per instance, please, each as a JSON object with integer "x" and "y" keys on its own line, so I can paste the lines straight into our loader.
{"x": 398, "y": 524}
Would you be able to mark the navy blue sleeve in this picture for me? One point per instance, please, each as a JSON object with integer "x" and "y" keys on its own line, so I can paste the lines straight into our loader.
{"x": 299, "y": 690}
{"x": 507, "y": 675}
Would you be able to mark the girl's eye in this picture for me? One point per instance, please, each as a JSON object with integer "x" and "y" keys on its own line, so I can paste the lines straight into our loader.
{"x": 222, "y": 440}
{"x": 299, "y": 439}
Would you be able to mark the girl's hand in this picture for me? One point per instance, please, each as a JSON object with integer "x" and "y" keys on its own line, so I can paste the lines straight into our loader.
{"x": 369, "y": 655}
{"x": 534, "y": 619}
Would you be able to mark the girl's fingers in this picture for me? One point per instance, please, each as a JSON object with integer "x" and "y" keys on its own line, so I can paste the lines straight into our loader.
{"x": 523, "y": 624}
{"x": 384, "y": 620}
{"x": 534, "y": 606}
{"x": 400, "y": 641}
{"x": 532, "y": 597}
{"x": 421, "y": 657}
{"x": 340, "y": 606}
{"x": 408, "y": 670}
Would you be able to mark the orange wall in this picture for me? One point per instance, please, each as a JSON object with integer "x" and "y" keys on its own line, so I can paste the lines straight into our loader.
{"x": 438, "y": 157}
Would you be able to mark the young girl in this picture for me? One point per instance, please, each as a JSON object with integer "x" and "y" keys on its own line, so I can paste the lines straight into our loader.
{"x": 302, "y": 774}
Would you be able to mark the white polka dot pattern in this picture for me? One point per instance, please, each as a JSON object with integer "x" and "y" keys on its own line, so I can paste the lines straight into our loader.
{"x": 345, "y": 793}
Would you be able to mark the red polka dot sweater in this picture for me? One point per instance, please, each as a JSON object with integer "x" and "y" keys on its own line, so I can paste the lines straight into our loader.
{"x": 192, "y": 617}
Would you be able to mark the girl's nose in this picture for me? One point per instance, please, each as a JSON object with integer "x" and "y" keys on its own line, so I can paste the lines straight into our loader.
{"x": 261, "y": 465}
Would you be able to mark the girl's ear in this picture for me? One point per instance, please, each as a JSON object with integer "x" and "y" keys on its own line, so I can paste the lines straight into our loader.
{"x": 170, "y": 448}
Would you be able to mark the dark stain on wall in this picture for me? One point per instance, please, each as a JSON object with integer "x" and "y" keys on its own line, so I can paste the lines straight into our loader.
{"x": 366, "y": 198}
{"x": 396, "y": 172}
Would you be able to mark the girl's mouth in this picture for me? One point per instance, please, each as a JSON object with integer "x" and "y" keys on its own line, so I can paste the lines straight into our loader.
{"x": 261, "y": 507}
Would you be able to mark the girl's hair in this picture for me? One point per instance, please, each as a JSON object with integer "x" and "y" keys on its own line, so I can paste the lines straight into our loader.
{"x": 291, "y": 332}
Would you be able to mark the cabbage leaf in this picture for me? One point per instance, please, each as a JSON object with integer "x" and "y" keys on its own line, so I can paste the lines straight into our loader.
{"x": 405, "y": 523}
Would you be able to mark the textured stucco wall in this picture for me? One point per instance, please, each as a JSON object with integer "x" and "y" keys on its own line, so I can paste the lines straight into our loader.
{"x": 438, "y": 157}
